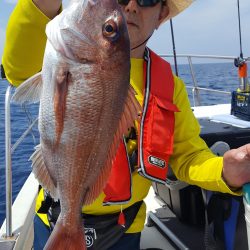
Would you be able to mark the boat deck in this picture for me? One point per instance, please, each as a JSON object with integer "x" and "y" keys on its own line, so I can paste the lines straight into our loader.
{"x": 166, "y": 231}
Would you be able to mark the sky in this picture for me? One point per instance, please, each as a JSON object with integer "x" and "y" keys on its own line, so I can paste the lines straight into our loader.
{"x": 208, "y": 27}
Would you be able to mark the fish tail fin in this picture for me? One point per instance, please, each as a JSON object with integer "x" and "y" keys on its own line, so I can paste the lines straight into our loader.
{"x": 62, "y": 238}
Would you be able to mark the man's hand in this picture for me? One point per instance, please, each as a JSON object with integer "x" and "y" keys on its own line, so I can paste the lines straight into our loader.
{"x": 236, "y": 166}
{"x": 49, "y": 7}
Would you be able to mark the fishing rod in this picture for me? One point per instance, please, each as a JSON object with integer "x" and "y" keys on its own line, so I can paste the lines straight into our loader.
{"x": 241, "y": 98}
{"x": 240, "y": 62}
{"x": 238, "y": 5}
{"x": 174, "y": 50}
{"x": 240, "y": 103}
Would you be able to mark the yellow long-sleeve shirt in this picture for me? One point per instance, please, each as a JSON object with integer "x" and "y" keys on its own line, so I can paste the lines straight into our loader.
{"x": 191, "y": 161}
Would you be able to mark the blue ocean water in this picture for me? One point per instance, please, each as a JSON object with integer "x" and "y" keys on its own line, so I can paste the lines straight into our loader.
{"x": 221, "y": 76}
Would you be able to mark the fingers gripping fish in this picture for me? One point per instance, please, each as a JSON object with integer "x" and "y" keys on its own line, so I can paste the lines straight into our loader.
{"x": 85, "y": 108}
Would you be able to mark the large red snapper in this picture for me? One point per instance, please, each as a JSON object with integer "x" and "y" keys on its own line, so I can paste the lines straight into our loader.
{"x": 86, "y": 105}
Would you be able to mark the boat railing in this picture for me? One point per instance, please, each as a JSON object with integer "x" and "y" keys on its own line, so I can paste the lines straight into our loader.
{"x": 8, "y": 163}
{"x": 9, "y": 148}
{"x": 195, "y": 88}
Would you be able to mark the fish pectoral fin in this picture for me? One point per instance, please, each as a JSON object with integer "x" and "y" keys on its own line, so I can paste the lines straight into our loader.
{"x": 29, "y": 91}
{"x": 41, "y": 172}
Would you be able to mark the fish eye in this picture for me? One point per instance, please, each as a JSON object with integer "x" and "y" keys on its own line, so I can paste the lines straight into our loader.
{"x": 109, "y": 29}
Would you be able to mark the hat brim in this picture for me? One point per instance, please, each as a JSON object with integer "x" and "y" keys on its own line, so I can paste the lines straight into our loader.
{"x": 175, "y": 7}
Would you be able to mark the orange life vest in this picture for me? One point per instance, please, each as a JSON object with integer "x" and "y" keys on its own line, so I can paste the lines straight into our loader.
{"x": 156, "y": 133}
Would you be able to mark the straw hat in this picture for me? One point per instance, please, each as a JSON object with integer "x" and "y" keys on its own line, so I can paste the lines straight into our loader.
{"x": 175, "y": 7}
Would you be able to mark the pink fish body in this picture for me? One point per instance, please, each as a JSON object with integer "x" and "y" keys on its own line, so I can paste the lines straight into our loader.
{"x": 86, "y": 104}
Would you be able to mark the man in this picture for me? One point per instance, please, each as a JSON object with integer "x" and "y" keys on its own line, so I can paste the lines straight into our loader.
{"x": 178, "y": 143}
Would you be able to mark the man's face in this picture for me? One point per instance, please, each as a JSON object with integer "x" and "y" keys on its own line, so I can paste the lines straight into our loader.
{"x": 142, "y": 21}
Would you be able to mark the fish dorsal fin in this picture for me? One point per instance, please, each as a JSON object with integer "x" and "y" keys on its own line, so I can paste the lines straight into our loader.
{"x": 41, "y": 172}
{"x": 29, "y": 91}
{"x": 131, "y": 110}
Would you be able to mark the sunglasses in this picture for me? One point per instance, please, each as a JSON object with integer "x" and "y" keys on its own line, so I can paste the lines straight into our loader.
{"x": 142, "y": 3}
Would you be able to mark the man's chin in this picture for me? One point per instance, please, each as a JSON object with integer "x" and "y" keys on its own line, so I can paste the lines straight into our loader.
{"x": 133, "y": 32}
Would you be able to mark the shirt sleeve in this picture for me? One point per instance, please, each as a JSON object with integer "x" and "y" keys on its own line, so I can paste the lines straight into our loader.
{"x": 192, "y": 161}
{"x": 25, "y": 42}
